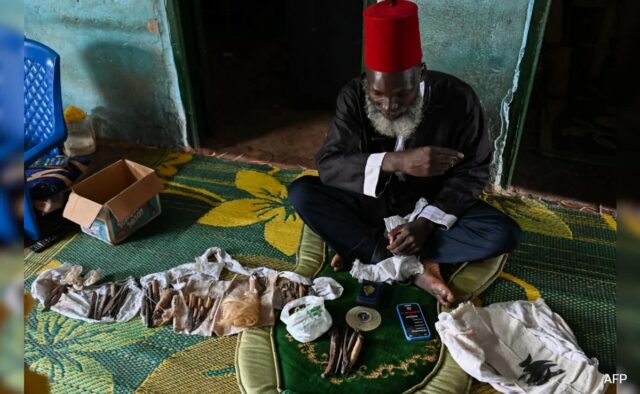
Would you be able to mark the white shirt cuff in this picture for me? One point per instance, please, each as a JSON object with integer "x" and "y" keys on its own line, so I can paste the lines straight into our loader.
{"x": 436, "y": 215}
{"x": 372, "y": 173}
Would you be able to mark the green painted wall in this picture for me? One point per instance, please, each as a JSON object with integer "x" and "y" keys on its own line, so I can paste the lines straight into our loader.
{"x": 485, "y": 43}
{"x": 116, "y": 61}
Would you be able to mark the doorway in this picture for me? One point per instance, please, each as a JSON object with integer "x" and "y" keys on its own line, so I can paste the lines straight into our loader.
{"x": 271, "y": 72}
{"x": 569, "y": 143}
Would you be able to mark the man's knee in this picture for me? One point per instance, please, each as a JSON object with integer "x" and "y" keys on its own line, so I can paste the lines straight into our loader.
{"x": 301, "y": 190}
{"x": 508, "y": 235}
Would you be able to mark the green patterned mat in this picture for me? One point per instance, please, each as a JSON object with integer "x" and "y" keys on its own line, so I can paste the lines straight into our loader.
{"x": 566, "y": 256}
{"x": 239, "y": 207}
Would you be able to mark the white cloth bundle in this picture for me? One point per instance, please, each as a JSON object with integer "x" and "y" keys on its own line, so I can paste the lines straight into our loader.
{"x": 76, "y": 303}
{"x": 519, "y": 347}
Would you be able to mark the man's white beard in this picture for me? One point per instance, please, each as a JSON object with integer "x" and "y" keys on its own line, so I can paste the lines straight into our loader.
{"x": 403, "y": 126}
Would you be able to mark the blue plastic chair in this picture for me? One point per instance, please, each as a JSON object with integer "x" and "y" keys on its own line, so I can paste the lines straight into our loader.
{"x": 44, "y": 128}
{"x": 11, "y": 125}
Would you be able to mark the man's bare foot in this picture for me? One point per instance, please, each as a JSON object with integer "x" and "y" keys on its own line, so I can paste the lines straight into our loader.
{"x": 336, "y": 263}
{"x": 432, "y": 282}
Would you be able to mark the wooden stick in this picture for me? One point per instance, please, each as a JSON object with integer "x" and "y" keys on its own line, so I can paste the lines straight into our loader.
{"x": 342, "y": 351}
{"x": 92, "y": 305}
{"x": 121, "y": 300}
{"x": 149, "y": 315}
{"x": 190, "y": 312}
{"x": 347, "y": 355}
{"x": 344, "y": 364}
{"x": 100, "y": 305}
{"x": 204, "y": 312}
{"x": 104, "y": 302}
{"x": 196, "y": 310}
{"x": 144, "y": 308}
{"x": 333, "y": 353}
{"x": 155, "y": 292}
{"x": 117, "y": 290}
{"x": 355, "y": 352}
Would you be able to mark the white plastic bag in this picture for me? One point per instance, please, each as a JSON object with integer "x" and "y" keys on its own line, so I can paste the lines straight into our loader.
{"x": 308, "y": 323}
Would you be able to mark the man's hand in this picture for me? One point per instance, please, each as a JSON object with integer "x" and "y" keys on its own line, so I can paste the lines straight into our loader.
{"x": 407, "y": 239}
{"x": 421, "y": 162}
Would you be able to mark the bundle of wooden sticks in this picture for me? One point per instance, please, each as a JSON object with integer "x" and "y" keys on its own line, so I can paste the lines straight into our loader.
{"x": 198, "y": 310}
{"x": 343, "y": 351}
{"x": 155, "y": 303}
{"x": 290, "y": 290}
{"x": 107, "y": 304}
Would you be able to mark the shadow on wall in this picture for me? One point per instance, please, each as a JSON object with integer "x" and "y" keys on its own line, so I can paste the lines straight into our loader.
{"x": 136, "y": 99}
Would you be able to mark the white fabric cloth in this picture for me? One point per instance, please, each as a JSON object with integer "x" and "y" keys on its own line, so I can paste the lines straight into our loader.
{"x": 202, "y": 278}
{"x": 372, "y": 175}
{"x": 76, "y": 303}
{"x": 210, "y": 264}
{"x": 395, "y": 268}
{"x": 495, "y": 344}
{"x": 438, "y": 216}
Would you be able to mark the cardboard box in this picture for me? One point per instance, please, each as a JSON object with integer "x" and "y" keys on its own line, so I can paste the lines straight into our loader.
{"x": 116, "y": 201}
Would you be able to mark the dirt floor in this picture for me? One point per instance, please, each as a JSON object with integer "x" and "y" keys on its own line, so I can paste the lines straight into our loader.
{"x": 292, "y": 144}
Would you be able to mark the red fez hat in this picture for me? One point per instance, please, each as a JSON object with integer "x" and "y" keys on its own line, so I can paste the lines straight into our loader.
{"x": 392, "y": 36}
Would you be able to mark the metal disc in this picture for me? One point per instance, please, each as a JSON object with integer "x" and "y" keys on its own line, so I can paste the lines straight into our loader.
{"x": 363, "y": 319}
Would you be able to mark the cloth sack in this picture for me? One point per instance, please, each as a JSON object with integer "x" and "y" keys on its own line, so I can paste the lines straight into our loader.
{"x": 308, "y": 323}
{"x": 519, "y": 347}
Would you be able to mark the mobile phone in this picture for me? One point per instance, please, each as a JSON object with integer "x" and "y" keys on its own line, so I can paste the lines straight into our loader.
{"x": 413, "y": 322}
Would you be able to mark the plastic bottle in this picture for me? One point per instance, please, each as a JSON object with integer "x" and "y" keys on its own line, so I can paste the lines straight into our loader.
{"x": 81, "y": 140}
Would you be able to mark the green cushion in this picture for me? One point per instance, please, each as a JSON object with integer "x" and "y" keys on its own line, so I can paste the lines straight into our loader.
{"x": 257, "y": 366}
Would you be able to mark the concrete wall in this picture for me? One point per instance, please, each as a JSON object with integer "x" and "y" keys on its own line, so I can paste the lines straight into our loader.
{"x": 481, "y": 42}
{"x": 117, "y": 62}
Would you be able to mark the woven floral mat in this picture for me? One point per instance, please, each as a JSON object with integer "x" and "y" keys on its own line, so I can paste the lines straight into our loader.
{"x": 242, "y": 208}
